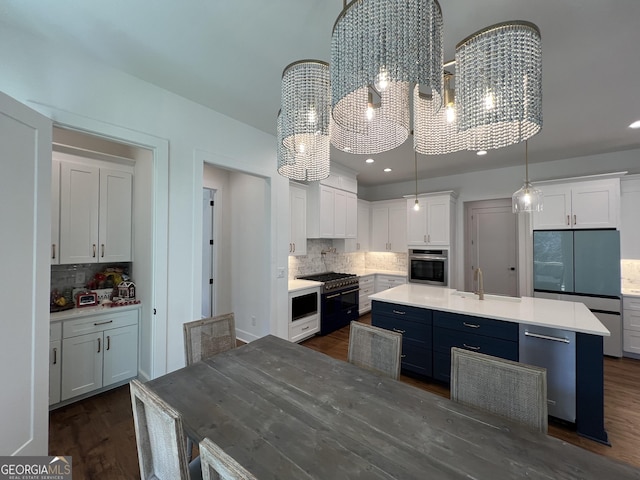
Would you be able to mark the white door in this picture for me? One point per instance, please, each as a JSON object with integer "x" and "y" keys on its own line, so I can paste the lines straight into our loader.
{"x": 55, "y": 212}
{"x": 81, "y": 364}
{"x": 438, "y": 221}
{"x": 398, "y": 228}
{"x": 492, "y": 245}
{"x": 380, "y": 229}
{"x": 120, "y": 354}
{"x": 208, "y": 249}
{"x": 25, "y": 215}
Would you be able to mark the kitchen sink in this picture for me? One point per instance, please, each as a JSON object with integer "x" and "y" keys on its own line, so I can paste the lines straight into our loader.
{"x": 487, "y": 296}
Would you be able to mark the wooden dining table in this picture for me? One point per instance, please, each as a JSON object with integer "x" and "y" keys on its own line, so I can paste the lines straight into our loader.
{"x": 284, "y": 411}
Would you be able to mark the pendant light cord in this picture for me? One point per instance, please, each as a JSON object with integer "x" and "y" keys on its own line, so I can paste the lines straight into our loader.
{"x": 526, "y": 159}
{"x": 415, "y": 155}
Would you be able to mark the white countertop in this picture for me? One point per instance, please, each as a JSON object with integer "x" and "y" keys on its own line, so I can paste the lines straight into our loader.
{"x": 631, "y": 292}
{"x": 85, "y": 311}
{"x": 361, "y": 272}
{"x": 570, "y": 316}
{"x": 295, "y": 285}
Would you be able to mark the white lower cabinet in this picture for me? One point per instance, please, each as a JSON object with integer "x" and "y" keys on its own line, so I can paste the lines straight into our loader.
{"x": 631, "y": 324}
{"x": 367, "y": 287}
{"x": 98, "y": 351}
{"x": 55, "y": 362}
{"x": 385, "y": 282}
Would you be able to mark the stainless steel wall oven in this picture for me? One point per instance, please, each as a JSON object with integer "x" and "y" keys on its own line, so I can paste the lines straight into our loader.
{"x": 429, "y": 266}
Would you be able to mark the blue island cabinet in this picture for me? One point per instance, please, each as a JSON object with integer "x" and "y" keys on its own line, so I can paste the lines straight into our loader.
{"x": 415, "y": 325}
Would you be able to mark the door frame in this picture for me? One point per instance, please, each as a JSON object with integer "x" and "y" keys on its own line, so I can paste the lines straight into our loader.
{"x": 154, "y": 289}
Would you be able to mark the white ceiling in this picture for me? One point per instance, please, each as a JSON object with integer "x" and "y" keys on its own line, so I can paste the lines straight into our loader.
{"x": 229, "y": 55}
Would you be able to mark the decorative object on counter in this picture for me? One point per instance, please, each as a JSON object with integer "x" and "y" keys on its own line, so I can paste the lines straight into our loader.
{"x": 61, "y": 301}
{"x": 86, "y": 299}
{"x": 528, "y": 198}
{"x": 127, "y": 291}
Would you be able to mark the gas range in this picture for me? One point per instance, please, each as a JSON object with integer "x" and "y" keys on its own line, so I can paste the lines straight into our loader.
{"x": 333, "y": 281}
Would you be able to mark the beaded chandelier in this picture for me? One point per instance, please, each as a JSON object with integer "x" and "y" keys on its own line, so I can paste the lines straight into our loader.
{"x": 304, "y": 121}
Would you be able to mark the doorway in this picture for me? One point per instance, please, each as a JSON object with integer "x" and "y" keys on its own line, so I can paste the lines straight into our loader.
{"x": 209, "y": 244}
{"x": 491, "y": 243}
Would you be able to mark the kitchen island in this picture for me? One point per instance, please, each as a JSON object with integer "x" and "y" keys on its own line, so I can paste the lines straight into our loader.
{"x": 434, "y": 319}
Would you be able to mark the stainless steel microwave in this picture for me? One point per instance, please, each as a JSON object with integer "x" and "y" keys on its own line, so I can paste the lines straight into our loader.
{"x": 429, "y": 266}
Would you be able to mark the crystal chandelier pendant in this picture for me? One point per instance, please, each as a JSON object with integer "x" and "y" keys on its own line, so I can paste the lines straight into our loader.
{"x": 526, "y": 200}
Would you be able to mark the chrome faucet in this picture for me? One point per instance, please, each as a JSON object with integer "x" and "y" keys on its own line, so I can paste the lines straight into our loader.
{"x": 477, "y": 277}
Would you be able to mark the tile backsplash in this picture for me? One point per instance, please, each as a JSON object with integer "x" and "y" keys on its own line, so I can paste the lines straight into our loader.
{"x": 77, "y": 276}
{"x": 315, "y": 261}
{"x": 630, "y": 272}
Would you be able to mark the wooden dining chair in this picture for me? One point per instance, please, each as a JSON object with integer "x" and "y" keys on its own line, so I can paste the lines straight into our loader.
{"x": 162, "y": 443}
{"x": 375, "y": 349}
{"x": 513, "y": 390}
{"x": 217, "y": 465}
{"x": 209, "y": 336}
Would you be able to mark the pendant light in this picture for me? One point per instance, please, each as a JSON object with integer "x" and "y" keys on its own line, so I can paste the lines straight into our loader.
{"x": 528, "y": 198}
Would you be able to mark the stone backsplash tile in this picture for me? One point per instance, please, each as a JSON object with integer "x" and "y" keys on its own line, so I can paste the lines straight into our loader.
{"x": 630, "y": 272}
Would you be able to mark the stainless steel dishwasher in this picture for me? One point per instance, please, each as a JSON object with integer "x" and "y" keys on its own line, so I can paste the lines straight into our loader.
{"x": 555, "y": 350}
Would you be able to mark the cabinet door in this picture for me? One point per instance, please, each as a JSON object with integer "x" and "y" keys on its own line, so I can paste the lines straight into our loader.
{"x": 327, "y": 205}
{"x": 55, "y": 371}
{"x": 556, "y": 209}
{"x": 398, "y": 228}
{"x": 81, "y": 364}
{"x": 120, "y": 354}
{"x": 339, "y": 214}
{"x": 438, "y": 218}
{"x": 629, "y": 224}
{"x": 364, "y": 233}
{"x": 416, "y": 222}
{"x": 55, "y": 212}
{"x": 79, "y": 186}
{"x": 298, "y": 209}
{"x": 380, "y": 229}
{"x": 595, "y": 204}
{"x": 115, "y": 216}
{"x": 351, "y": 230}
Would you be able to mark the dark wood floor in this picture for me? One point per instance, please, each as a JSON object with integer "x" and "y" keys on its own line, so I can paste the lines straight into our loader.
{"x": 98, "y": 432}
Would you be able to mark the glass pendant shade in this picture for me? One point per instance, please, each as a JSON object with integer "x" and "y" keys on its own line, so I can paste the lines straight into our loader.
{"x": 304, "y": 121}
{"x": 527, "y": 199}
{"x": 435, "y": 133}
{"x": 378, "y": 49}
{"x": 499, "y": 85}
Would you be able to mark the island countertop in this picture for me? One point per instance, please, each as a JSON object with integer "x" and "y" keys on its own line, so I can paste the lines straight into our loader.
{"x": 569, "y": 316}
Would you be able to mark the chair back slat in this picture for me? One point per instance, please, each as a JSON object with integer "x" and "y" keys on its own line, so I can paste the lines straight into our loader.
{"x": 375, "y": 349}
{"x": 218, "y": 465}
{"x": 208, "y": 337}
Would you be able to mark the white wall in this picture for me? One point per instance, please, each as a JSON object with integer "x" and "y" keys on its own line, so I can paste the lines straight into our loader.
{"x": 59, "y": 83}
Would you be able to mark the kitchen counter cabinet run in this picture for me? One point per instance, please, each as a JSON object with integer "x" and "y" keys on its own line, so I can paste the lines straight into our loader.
{"x": 431, "y": 333}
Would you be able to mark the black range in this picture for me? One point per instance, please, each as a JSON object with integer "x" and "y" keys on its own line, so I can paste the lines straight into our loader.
{"x": 339, "y": 301}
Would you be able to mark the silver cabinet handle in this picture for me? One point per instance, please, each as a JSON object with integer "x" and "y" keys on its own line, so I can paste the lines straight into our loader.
{"x": 102, "y": 255}
{"x": 108, "y": 342}
{"x": 294, "y": 248}
{"x": 305, "y": 328}
{"x": 402, "y": 356}
{"x": 471, "y": 347}
{"x": 55, "y": 356}
{"x": 53, "y": 250}
{"x": 546, "y": 337}
{"x": 99, "y": 345}
{"x": 429, "y": 238}
{"x": 568, "y": 222}
{"x": 397, "y": 330}
{"x": 94, "y": 250}
{"x": 470, "y": 325}
{"x": 425, "y": 239}
{"x": 399, "y": 312}
{"x": 575, "y": 219}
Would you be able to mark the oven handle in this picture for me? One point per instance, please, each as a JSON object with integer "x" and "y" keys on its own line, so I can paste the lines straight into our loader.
{"x": 427, "y": 257}
{"x": 350, "y": 291}
{"x": 342, "y": 293}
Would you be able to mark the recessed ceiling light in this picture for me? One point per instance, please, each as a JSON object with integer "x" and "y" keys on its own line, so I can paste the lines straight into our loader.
{"x": 387, "y": 169}
{"x": 369, "y": 160}
{"x": 481, "y": 152}
{"x": 635, "y": 124}
{"x": 347, "y": 149}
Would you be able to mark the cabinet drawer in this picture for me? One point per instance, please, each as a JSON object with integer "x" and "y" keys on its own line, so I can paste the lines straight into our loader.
{"x": 631, "y": 303}
{"x": 301, "y": 329}
{"x": 98, "y": 323}
{"x": 631, "y": 319}
{"x": 365, "y": 292}
{"x": 416, "y": 358}
{"x": 366, "y": 281}
{"x": 419, "y": 332}
{"x": 55, "y": 331}
{"x": 403, "y": 312}
{"x": 365, "y": 306}
{"x": 631, "y": 341}
{"x": 476, "y": 325}
{"x": 444, "y": 339}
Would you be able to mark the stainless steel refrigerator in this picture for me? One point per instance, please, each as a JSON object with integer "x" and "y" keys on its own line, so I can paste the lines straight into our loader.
{"x": 582, "y": 266}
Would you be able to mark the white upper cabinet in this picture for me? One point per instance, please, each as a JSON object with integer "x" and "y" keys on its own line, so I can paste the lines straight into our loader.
{"x": 389, "y": 226}
{"x": 575, "y": 205}
{"x": 629, "y": 224}
{"x": 364, "y": 223}
{"x": 431, "y": 225}
{"x": 298, "y": 220}
{"x": 55, "y": 212}
{"x": 95, "y": 214}
{"x": 332, "y": 208}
